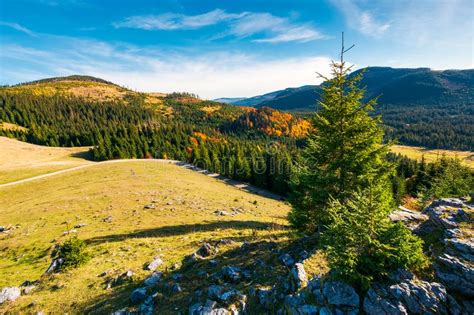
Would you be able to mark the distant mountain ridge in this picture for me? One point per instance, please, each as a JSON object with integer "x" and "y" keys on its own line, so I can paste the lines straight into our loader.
{"x": 395, "y": 86}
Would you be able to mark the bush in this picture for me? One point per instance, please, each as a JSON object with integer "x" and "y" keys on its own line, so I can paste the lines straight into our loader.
{"x": 72, "y": 252}
{"x": 363, "y": 245}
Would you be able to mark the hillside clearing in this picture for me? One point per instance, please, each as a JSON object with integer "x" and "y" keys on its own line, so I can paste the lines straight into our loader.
{"x": 416, "y": 153}
{"x": 183, "y": 216}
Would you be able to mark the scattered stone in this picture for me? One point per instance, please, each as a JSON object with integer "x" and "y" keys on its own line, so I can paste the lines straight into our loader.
{"x": 149, "y": 206}
{"x": 152, "y": 266}
{"x": 298, "y": 278}
{"x": 103, "y": 274}
{"x": 338, "y": 293}
{"x": 55, "y": 265}
{"x": 176, "y": 288}
{"x": 230, "y": 273}
{"x": 153, "y": 280}
{"x": 138, "y": 295}
{"x": 70, "y": 232}
{"x": 214, "y": 291}
{"x": 207, "y": 250}
{"x": 27, "y": 287}
{"x": 9, "y": 294}
{"x": 146, "y": 308}
{"x": 225, "y": 241}
{"x": 80, "y": 225}
{"x": 122, "y": 311}
{"x": 108, "y": 219}
{"x": 221, "y": 213}
{"x": 193, "y": 258}
{"x": 287, "y": 260}
{"x": 314, "y": 286}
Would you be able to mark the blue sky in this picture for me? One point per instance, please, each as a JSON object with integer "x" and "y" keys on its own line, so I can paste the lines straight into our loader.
{"x": 226, "y": 48}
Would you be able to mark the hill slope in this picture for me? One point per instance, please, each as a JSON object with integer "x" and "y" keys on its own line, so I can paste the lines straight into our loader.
{"x": 109, "y": 198}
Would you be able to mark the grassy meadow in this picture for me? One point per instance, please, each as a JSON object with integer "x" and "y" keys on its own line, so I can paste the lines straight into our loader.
{"x": 416, "y": 153}
{"x": 20, "y": 160}
{"x": 41, "y": 211}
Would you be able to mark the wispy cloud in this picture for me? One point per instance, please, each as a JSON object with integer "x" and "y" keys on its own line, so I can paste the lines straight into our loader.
{"x": 174, "y": 21}
{"x": 362, "y": 20}
{"x": 211, "y": 74}
{"x": 18, "y": 27}
{"x": 275, "y": 29}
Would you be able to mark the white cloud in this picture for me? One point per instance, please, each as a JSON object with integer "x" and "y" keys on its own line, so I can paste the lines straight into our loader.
{"x": 301, "y": 34}
{"x": 174, "y": 21}
{"x": 245, "y": 24}
{"x": 18, "y": 27}
{"x": 210, "y": 75}
{"x": 361, "y": 20}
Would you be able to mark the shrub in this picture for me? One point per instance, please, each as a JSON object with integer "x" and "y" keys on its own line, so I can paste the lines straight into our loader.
{"x": 72, "y": 252}
{"x": 363, "y": 245}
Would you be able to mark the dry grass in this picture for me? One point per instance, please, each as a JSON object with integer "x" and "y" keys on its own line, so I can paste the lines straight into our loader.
{"x": 466, "y": 157}
{"x": 19, "y": 160}
{"x": 184, "y": 216}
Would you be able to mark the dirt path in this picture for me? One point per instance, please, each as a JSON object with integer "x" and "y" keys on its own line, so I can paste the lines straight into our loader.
{"x": 237, "y": 184}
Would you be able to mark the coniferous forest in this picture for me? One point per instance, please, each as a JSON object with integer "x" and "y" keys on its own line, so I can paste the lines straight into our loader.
{"x": 259, "y": 146}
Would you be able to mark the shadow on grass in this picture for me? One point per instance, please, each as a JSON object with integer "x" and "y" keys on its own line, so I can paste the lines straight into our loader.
{"x": 186, "y": 229}
{"x": 260, "y": 259}
{"x": 86, "y": 155}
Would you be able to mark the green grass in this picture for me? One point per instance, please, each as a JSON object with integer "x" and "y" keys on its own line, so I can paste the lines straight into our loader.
{"x": 184, "y": 216}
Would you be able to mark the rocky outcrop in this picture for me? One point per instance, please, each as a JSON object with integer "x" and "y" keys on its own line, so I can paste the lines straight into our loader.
{"x": 447, "y": 212}
{"x": 455, "y": 265}
{"x": 412, "y": 219}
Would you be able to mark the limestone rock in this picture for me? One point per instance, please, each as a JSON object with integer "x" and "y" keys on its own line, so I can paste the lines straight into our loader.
{"x": 138, "y": 295}
{"x": 230, "y": 273}
{"x": 420, "y": 297}
{"x": 456, "y": 274}
{"x": 412, "y": 219}
{"x": 338, "y": 293}
{"x": 207, "y": 250}
{"x": 153, "y": 279}
{"x": 9, "y": 294}
{"x": 152, "y": 266}
{"x": 298, "y": 277}
{"x": 376, "y": 303}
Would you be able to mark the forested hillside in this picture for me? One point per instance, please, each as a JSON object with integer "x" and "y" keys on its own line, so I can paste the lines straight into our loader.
{"x": 259, "y": 146}
{"x": 420, "y": 106}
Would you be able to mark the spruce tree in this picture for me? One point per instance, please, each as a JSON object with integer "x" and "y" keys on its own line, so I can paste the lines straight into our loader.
{"x": 344, "y": 189}
{"x": 344, "y": 152}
